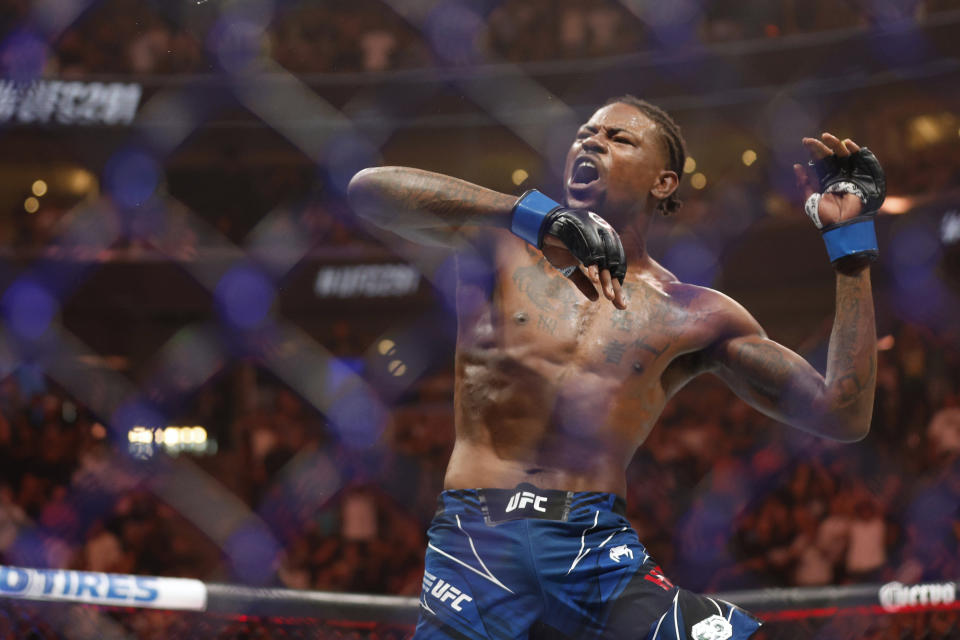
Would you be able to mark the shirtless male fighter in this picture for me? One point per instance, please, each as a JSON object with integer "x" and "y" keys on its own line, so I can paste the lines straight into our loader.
{"x": 556, "y": 387}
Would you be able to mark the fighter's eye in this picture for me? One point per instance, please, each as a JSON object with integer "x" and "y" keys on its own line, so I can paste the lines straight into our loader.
{"x": 623, "y": 140}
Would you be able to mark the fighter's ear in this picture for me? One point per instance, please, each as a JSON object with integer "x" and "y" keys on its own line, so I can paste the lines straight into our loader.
{"x": 666, "y": 184}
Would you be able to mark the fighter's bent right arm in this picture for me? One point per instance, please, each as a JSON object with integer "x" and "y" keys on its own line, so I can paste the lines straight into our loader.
{"x": 426, "y": 207}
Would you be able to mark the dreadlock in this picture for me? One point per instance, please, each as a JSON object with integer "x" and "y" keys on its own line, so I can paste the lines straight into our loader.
{"x": 672, "y": 139}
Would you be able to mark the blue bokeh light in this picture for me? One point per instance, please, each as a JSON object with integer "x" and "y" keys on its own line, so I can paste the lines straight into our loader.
{"x": 236, "y": 42}
{"x": 28, "y": 308}
{"x": 672, "y": 23}
{"x": 923, "y": 301}
{"x": 358, "y": 417}
{"x": 785, "y": 123}
{"x": 692, "y": 261}
{"x": 244, "y": 296}
{"x": 339, "y": 371}
{"x": 346, "y": 154}
{"x": 902, "y": 42}
{"x": 914, "y": 253}
{"x": 253, "y": 552}
{"x": 131, "y": 176}
{"x": 465, "y": 281}
{"x": 919, "y": 294}
{"x": 453, "y": 31}
{"x": 23, "y": 56}
{"x": 28, "y": 549}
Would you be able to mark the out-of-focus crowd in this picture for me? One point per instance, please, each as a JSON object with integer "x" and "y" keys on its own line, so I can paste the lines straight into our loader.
{"x": 150, "y": 37}
{"x": 805, "y": 511}
{"x": 723, "y": 497}
{"x": 154, "y": 37}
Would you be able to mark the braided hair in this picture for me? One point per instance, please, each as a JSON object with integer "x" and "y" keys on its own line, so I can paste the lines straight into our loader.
{"x": 672, "y": 139}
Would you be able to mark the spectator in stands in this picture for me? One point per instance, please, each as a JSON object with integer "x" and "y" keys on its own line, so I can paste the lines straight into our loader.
{"x": 943, "y": 436}
{"x": 12, "y": 520}
{"x": 866, "y": 556}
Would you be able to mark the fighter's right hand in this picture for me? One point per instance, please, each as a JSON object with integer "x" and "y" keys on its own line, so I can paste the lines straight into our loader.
{"x": 581, "y": 244}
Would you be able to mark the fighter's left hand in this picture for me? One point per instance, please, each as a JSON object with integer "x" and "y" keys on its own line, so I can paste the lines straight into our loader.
{"x": 834, "y": 207}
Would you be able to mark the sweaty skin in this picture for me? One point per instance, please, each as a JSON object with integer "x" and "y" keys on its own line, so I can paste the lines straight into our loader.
{"x": 558, "y": 380}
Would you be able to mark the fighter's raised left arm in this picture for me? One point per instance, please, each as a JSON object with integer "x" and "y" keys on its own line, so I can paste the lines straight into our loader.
{"x": 774, "y": 379}
{"x": 784, "y": 386}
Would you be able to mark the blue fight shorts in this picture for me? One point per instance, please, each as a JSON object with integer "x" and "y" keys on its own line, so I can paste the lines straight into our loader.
{"x": 530, "y": 563}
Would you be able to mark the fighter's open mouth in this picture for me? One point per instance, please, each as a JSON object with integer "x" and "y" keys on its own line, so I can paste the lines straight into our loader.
{"x": 584, "y": 172}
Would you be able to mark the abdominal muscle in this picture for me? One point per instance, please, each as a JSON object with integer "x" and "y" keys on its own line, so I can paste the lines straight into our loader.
{"x": 556, "y": 427}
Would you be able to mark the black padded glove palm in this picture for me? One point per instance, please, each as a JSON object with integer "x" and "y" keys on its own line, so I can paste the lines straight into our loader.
{"x": 862, "y": 169}
{"x": 588, "y": 237}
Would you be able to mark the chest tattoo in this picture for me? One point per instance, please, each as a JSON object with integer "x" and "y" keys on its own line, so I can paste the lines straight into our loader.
{"x": 547, "y": 324}
{"x": 614, "y": 351}
{"x": 653, "y": 312}
{"x": 549, "y": 293}
{"x": 623, "y": 320}
{"x": 643, "y": 345}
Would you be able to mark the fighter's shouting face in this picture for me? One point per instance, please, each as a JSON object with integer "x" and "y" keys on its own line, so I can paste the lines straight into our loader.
{"x": 617, "y": 165}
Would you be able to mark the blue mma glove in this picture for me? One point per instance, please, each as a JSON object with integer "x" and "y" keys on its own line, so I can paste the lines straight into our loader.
{"x": 859, "y": 174}
{"x": 586, "y": 235}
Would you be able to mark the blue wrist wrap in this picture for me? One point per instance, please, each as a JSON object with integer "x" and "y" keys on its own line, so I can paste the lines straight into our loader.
{"x": 859, "y": 237}
{"x": 528, "y": 215}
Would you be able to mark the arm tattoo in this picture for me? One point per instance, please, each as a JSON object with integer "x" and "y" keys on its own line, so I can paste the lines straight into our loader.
{"x": 404, "y": 198}
{"x": 850, "y": 388}
{"x": 423, "y": 194}
{"x": 779, "y": 382}
{"x": 767, "y": 371}
{"x": 851, "y": 367}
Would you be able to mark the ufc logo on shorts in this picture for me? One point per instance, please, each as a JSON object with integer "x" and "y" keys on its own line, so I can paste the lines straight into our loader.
{"x": 444, "y": 591}
{"x": 521, "y": 499}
